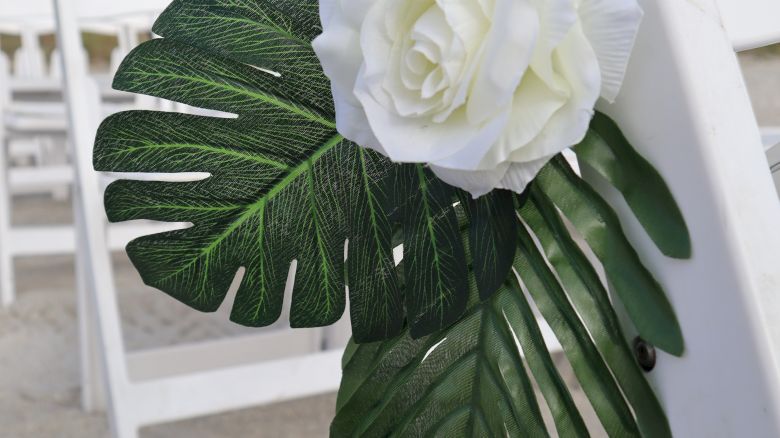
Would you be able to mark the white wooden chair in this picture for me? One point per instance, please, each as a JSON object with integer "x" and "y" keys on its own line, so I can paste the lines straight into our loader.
{"x": 685, "y": 107}
{"x": 35, "y": 132}
{"x": 29, "y": 60}
{"x": 36, "y": 121}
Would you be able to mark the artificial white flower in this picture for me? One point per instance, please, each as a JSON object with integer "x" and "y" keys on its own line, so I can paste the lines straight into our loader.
{"x": 485, "y": 91}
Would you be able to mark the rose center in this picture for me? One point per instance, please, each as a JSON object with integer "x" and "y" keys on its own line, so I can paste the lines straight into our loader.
{"x": 429, "y": 65}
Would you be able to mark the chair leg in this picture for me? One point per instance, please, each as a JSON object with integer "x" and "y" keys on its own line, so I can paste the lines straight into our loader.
{"x": 93, "y": 390}
{"x": 7, "y": 292}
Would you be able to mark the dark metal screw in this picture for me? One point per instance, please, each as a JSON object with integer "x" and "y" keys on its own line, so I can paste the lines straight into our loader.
{"x": 645, "y": 354}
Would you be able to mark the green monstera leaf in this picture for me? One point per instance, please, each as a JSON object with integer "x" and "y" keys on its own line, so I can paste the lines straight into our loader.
{"x": 282, "y": 184}
{"x": 445, "y": 343}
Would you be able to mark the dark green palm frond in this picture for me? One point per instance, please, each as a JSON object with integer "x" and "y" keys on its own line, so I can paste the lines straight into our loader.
{"x": 470, "y": 379}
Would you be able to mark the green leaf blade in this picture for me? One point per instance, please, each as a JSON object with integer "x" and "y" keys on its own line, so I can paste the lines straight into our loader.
{"x": 607, "y": 151}
{"x": 182, "y": 73}
{"x": 520, "y": 317}
{"x": 591, "y": 300}
{"x": 243, "y": 214}
{"x": 592, "y": 372}
{"x": 492, "y": 238}
{"x": 376, "y": 305}
{"x": 434, "y": 259}
{"x": 639, "y": 291}
{"x": 267, "y": 34}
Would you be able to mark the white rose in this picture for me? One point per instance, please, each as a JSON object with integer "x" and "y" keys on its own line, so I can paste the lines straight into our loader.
{"x": 485, "y": 91}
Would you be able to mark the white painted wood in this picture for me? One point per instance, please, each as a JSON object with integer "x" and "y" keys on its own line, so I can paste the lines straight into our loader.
{"x": 6, "y": 260}
{"x": 227, "y": 389}
{"x": 26, "y": 241}
{"x": 29, "y": 59}
{"x": 55, "y": 68}
{"x": 268, "y": 344}
{"x": 35, "y": 132}
{"x": 773, "y": 154}
{"x": 685, "y": 107}
{"x": 33, "y": 180}
{"x": 93, "y": 385}
{"x": 749, "y": 23}
{"x": 98, "y": 270}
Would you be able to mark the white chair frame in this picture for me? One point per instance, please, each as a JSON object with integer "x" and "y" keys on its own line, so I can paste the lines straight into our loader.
{"x": 685, "y": 107}
{"x": 24, "y": 241}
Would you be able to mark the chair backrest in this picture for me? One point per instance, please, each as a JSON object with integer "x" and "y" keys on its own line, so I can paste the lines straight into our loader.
{"x": 751, "y": 23}
{"x": 5, "y": 66}
{"x": 55, "y": 63}
{"x": 685, "y": 107}
{"x": 29, "y": 60}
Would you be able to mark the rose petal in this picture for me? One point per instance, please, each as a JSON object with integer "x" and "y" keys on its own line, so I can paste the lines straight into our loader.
{"x": 468, "y": 20}
{"x": 351, "y": 122}
{"x": 419, "y": 140}
{"x": 472, "y": 154}
{"x": 577, "y": 63}
{"x": 611, "y": 27}
{"x": 477, "y": 183}
{"x": 327, "y": 9}
{"x": 533, "y": 105}
{"x": 430, "y": 27}
{"x": 338, "y": 47}
{"x": 509, "y": 46}
{"x": 519, "y": 175}
{"x": 556, "y": 20}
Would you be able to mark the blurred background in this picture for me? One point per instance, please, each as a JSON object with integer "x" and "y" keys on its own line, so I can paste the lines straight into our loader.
{"x": 43, "y": 376}
{"x": 40, "y": 373}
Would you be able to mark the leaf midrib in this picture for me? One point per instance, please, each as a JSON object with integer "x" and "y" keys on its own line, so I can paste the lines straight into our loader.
{"x": 286, "y": 34}
{"x": 324, "y": 265}
{"x": 432, "y": 234}
{"x": 371, "y": 201}
{"x": 201, "y": 147}
{"x": 259, "y": 205}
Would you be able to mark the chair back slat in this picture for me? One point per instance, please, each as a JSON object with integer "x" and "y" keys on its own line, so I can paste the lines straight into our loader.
{"x": 751, "y": 23}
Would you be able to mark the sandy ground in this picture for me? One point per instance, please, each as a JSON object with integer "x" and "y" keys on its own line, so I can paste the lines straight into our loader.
{"x": 39, "y": 388}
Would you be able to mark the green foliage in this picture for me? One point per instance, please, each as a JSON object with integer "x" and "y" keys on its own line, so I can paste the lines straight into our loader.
{"x": 283, "y": 185}
{"x": 607, "y": 151}
{"x": 447, "y": 343}
{"x": 470, "y": 379}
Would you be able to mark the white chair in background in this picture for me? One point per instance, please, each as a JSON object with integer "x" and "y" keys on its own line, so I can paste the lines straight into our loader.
{"x": 55, "y": 62}
{"x": 29, "y": 60}
{"x": 179, "y": 382}
{"x": 770, "y": 136}
{"x": 23, "y": 120}
{"x": 34, "y": 135}
{"x": 5, "y": 64}
{"x": 773, "y": 154}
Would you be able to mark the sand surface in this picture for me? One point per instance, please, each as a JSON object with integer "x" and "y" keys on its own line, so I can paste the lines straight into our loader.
{"x": 39, "y": 387}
